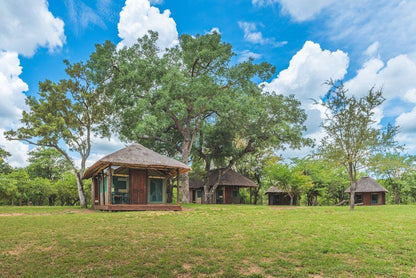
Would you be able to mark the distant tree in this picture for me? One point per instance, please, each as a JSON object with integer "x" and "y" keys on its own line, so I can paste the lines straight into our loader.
{"x": 162, "y": 98}
{"x": 392, "y": 167}
{"x": 290, "y": 179}
{"x": 4, "y": 166}
{"x": 351, "y": 132}
{"x": 329, "y": 181}
{"x": 253, "y": 167}
{"x": 64, "y": 117}
{"x": 47, "y": 163}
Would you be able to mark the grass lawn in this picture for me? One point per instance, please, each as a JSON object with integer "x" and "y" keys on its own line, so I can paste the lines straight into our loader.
{"x": 209, "y": 240}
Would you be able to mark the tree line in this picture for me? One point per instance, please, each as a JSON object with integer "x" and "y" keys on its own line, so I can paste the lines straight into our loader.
{"x": 194, "y": 102}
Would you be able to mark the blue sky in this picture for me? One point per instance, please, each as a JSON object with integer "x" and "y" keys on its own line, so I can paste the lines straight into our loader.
{"x": 366, "y": 43}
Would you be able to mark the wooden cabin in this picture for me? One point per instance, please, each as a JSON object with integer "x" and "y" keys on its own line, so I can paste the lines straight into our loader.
{"x": 134, "y": 178}
{"x": 280, "y": 197}
{"x": 228, "y": 190}
{"x": 369, "y": 192}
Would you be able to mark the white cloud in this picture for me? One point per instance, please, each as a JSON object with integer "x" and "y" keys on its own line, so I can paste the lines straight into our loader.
{"x": 27, "y": 25}
{"x": 214, "y": 29}
{"x": 18, "y": 150}
{"x": 246, "y": 54}
{"x": 11, "y": 106}
{"x": 308, "y": 69}
{"x": 138, "y": 17}
{"x": 299, "y": 10}
{"x": 252, "y": 35}
{"x": 372, "y": 50}
{"x": 396, "y": 78}
{"x": 11, "y": 90}
{"x": 82, "y": 15}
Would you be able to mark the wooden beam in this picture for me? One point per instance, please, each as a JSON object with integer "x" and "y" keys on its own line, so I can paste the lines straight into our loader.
{"x": 177, "y": 186}
{"x": 109, "y": 184}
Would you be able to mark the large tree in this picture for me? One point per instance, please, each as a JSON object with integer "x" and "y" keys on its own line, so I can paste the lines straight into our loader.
{"x": 253, "y": 125}
{"x": 352, "y": 133}
{"x": 165, "y": 96}
{"x": 64, "y": 116}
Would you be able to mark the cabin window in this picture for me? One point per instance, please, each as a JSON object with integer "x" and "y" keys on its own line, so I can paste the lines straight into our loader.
{"x": 105, "y": 184}
{"x": 235, "y": 193}
{"x": 155, "y": 190}
{"x": 120, "y": 190}
{"x": 358, "y": 198}
{"x": 374, "y": 199}
{"x": 198, "y": 193}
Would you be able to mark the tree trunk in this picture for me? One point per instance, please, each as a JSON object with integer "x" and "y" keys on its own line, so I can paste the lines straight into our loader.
{"x": 291, "y": 200}
{"x": 353, "y": 182}
{"x": 169, "y": 192}
{"x": 81, "y": 192}
{"x": 397, "y": 196}
{"x": 185, "y": 176}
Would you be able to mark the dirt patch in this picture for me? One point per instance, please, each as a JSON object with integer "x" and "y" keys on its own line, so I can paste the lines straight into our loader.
{"x": 187, "y": 209}
{"x": 11, "y": 214}
{"x": 285, "y": 207}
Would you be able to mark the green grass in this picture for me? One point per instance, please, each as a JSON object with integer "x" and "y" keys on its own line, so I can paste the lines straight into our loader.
{"x": 209, "y": 240}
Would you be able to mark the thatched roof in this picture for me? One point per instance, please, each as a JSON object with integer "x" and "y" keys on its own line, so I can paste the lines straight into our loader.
{"x": 230, "y": 178}
{"x": 274, "y": 189}
{"x": 367, "y": 184}
{"x": 136, "y": 156}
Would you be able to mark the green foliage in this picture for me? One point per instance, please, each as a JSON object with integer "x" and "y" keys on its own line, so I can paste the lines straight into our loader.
{"x": 394, "y": 169}
{"x": 4, "y": 166}
{"x": 289, "y": 179}
{"x": 46, "y": 163}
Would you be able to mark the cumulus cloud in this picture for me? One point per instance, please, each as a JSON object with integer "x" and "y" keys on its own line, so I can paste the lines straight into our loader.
{"x": 11, "y": 89}
{"x": 396, "y": 78}
{"x": 27, "y": 25}
{"x": 138, "y": 17}
{"x": 251, "y": 34}
{"x": 308, "y": 69}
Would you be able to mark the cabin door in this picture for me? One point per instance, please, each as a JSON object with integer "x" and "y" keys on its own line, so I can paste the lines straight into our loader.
{"x": 138, "y": 183}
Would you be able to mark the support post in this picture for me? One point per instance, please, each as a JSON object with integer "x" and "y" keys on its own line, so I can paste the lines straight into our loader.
{"x": 177, "y": 186}
{"x": 93, "y": 184}
{"x": 109, "y": 183}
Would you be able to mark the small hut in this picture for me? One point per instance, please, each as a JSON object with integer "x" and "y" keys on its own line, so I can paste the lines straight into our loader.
{"x": 280, "y": 197}
{"x": 228, "y": 190}
{"x": 369, "y": 192}
{"x": 134, "y": 178}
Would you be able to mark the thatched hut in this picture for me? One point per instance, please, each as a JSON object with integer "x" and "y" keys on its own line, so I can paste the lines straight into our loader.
{"x": 280, "y": 197}
{"x": 134, "y": 178}
{"x": 228, "y": 190}
{"x": 369, "y": 192}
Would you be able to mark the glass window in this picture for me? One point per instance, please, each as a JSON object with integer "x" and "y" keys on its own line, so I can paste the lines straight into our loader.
{"x": 156, "y": 191}
{"x": 358, "y": 198}
{"x": 198, "y": 193}
{"x": 374, "y": 198}
{"x": 120, "y": 190}
{"x": 235, "y": 193}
